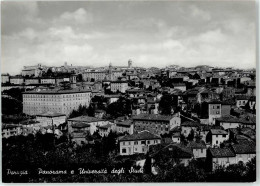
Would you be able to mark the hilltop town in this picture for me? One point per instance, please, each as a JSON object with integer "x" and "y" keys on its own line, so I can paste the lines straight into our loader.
{"x": 150, "y": 118}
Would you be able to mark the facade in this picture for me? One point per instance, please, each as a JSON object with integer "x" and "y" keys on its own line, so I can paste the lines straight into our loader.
{"x": 176, "y": 137}
{"x": 94, "y": 75}
{"x": 5, "y": 78}
{"x": 217, "y": 136}
{"x": 55, "y": 100}
{"x": 138, "y": 143}
{"x": 104, "y": 130}
{"x": 126, "y": 126}
{"x": 155, "y": 123}
{"x": 244, "y": 151}
{"x": 48, "y": 81}
{"x": 120, "y": 86}
{"x": 16, "y": 80}
{"x": 214, "y": 111}
{"x": 29, "y": 81}
{"x": 199, "y": 149}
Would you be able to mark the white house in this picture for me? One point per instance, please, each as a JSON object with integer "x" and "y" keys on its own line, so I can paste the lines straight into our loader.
{"x": 138, "y": 143}
{"x": 199, "y": 149}
{"x": 244, "y": 151}
{"x": 216, "y": 137}
{"x": 221, "y": 157}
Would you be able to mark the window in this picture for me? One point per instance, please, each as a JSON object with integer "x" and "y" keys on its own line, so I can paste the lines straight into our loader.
{"x": 201, "y": 150}
{"x": 123, "y": 150}
{"x": 136, "y": 142}
{"x": 148, "y": 142}
{"x": 123, "y": 143}
{"x": 217, "y": 107}
{"x": 143, "y": 142}
{"x": 217, "y": 142}
{"x": 224, "y": 135}
{"x": 216, "y": 136}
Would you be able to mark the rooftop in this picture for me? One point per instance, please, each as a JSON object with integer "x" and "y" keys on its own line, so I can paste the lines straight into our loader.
{"x": 51, "y": 114}
{"x": 219, "y": 152}
{"x": 86, "y": 119}
{"x": 143, "y": 135}
{"x": 218, "y": 132}
{"x": 154, "y": 117}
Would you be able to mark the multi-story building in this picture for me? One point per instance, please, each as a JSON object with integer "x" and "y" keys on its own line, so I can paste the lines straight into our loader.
{"x": 5, "y": 78}
{"x": 55, "y": 100}
{"x": 120, "y": 86}
{"x": 32, "y": 70}
{"x": 16, "y": 80}
{"x": 48, "y": 80}
{"x": 155, "y": 123}
{"x": 216, "y": 137}
{"x": 126, "y": 126}
{"x": 29, "y": 81}
{"x": 94, "y": 75}
{"x": 214, "y": 111}
{"x": 138, "y": 143}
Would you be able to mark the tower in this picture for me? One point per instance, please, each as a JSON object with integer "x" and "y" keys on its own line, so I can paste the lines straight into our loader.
{"x": 73, "y": 81}
{"x": 130, "y": 63}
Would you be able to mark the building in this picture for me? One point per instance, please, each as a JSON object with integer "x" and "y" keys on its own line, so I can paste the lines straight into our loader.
{"x": 51, "y": 118}
{"x": 5, "y": 78}
{"x": 230, "y": 121}
{"x": 199, "y": 149}
{"x": 55, "y": 100}
{"x": 118, "y": 86}
{"x": 241, "y": 100}
{"x": 16, "y": 80}
{"x": 188, "y": 126}
{"x": 216, "y": 137}
{"x": 214, "y": 111}
{"x": 29, "y": 81}
{"x": 126, "y": 126}
{"x": 220, "y": 157}
{"x": 176, "y": 137}
{"x": 90, "y": 124}
{"x": 155, "y": 123}
{"x": 138, "y": 143}
{"x": 104, "y": 130}
{"x": 48, "y": 81}
{"x": 94, "y": 75}
{"x": 244, "y": 151}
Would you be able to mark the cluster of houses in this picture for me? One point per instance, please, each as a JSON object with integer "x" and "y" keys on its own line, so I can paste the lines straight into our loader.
{"x": 215, "y": 119}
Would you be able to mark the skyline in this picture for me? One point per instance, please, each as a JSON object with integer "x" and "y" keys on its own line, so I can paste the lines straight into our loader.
{"x": 155, "y": 34}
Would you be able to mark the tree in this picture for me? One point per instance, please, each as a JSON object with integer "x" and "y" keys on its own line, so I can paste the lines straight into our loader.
{"x": 191, "y": 135}
{"x": 166, "y": 104}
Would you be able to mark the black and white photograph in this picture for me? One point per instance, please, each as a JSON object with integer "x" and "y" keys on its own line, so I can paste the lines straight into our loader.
{"x": 128, "y": 91}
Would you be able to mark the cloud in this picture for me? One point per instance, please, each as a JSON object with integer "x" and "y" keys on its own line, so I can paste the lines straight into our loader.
{"x": 80, "y": 16}
{"x": 197, "y": 13}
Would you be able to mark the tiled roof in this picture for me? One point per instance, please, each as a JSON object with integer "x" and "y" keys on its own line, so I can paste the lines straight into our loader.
{"x": 58, "y": 91}
{"x": 51, "y": 114}
{"x": 218, "y": 132}
{"x": 80, "y": 125}
{"x": 190, "y": 124}
{"x": 125, "y": 123}
{"x": 232, "y": 119}
{"x": 221, "y": 152}
{"x": 143, "y": 135}
{"x": 105, "y": 126}
{"x": 176, "y": 135}
{"x": 87, "y": 119}
{"x": 154, "y": 117}
{"x": 197, "y": 145}
{"x": 244, "y": 148}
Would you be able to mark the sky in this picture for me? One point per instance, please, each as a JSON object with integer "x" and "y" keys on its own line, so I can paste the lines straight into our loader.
{"x": 152, "y": 34}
